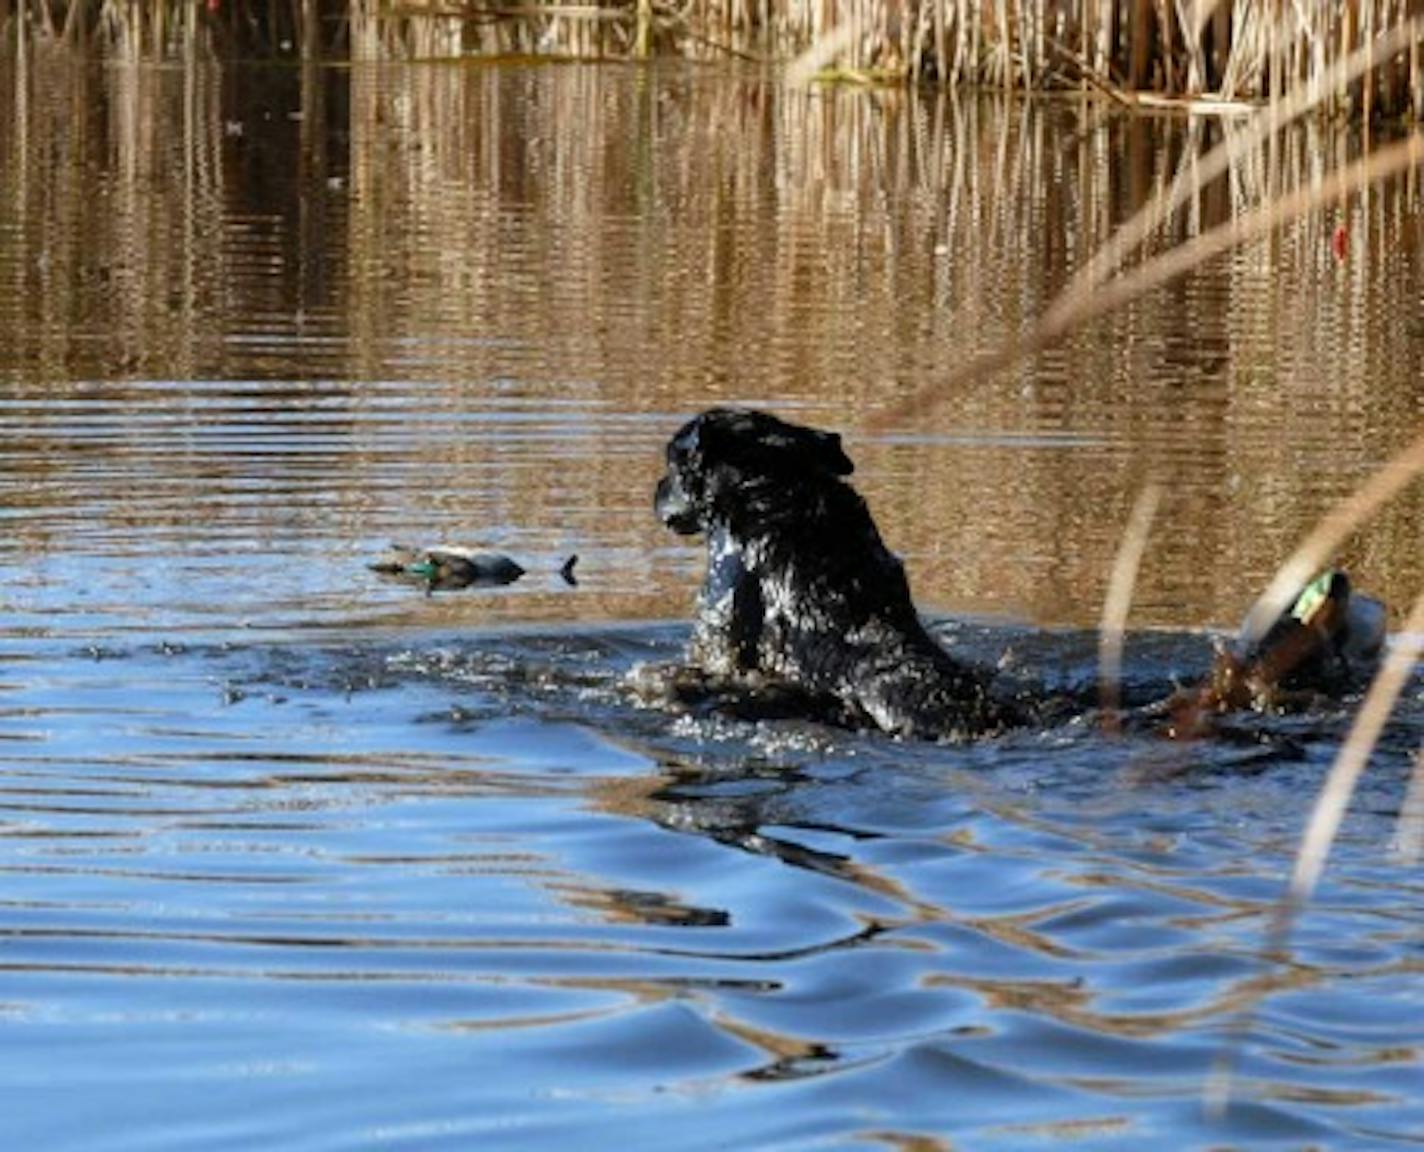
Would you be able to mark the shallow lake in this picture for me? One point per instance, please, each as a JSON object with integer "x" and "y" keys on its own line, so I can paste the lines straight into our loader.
{"x": 291, "y": 855}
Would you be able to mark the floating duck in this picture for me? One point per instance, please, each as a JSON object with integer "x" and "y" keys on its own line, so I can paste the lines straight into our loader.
{"x": 1325, "y": 638}
{"x": 450, "y": 567}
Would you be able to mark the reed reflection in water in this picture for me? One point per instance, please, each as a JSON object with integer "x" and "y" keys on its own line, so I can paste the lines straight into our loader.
{"x": 402, "y": 249}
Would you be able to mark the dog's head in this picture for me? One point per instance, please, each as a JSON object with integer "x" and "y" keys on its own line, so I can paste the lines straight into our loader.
{"x": 716, "y": 460}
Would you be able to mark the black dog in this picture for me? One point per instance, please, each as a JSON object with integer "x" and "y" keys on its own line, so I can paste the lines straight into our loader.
{"x": 800, "y": 589}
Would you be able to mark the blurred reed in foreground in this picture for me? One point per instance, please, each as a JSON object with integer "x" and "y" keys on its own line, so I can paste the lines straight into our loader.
{"x": 1210, "y": 52}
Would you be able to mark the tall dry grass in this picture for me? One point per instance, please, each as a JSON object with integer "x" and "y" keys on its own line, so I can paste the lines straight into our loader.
{"x": 140, "y": 29}
{"x": 1136, "y": 51}
{"x": 1113, "y": 628}
{"x": 1227, "y": 50}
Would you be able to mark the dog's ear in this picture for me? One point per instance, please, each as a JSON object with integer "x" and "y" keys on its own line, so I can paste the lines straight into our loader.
{"x": 734, "y": 434}
{"x": 811, "y": 448}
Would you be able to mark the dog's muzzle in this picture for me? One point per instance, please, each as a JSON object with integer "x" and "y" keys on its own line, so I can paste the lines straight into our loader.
{"x": 674, "y": 509}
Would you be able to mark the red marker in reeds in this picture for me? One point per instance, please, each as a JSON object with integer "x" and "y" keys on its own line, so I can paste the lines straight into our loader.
{"x": 1340, "y": 242}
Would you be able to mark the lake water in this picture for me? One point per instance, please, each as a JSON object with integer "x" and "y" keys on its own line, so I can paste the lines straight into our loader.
{"x": 292, "y": 856}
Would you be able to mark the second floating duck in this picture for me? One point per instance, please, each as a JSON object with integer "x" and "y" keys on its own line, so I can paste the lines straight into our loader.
{"x": 444, "y": 568}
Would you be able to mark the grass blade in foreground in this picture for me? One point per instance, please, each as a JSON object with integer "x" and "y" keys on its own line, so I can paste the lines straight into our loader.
{"x": 1324, "y": 823}
{"x": 1119, "y": 599}
{"x": 1387, "y": 162}
{"x": 1329, "y": 534}
{"x": 1269, "y": 120}
{"x": 1409, "y": 840}
{"x": 1330, "y": 806}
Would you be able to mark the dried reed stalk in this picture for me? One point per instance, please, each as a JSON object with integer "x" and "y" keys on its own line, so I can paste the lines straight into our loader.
{"x": 1118, "y": 600}
{"x": 1088, "y": 305}
{"x": 1330, "y": 533}
{"x": 1248, "y": 49}
{"x": 1295, "y": 104}
{"x": 1409, "y": 840}
{"x": 1322, "y": 827}
{"x": 1354, "y": 754}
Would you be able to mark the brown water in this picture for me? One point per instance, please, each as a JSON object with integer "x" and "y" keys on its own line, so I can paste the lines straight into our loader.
{"x": 294, "y": 855}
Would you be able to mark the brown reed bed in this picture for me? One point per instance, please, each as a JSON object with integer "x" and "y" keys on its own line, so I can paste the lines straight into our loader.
{"x": 1208, "y": 54}
{"x": 129, "y": 29}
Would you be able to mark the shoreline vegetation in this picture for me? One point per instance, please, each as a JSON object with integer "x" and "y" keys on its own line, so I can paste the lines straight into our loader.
{"x": 1208, "y": 56}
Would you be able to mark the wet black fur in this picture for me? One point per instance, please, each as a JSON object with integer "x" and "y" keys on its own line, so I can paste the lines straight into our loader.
{"x": 800, "y": 589}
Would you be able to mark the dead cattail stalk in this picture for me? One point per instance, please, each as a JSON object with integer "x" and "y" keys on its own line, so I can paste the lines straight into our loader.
{"x": 1139, "y": 31}
{"x": 1089, "y": 78}
{"x": 1416, "y": 75}
{"x": 1086, "y": 39}
{"x": 1107, "y": 36}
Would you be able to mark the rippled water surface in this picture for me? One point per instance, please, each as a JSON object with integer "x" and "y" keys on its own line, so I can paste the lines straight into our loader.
{"x": 294, "y": 856}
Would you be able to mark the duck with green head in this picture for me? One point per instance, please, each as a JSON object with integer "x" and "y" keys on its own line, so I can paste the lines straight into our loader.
{"x": 448, "y": 567}
{"x": 1327, "y": 642}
